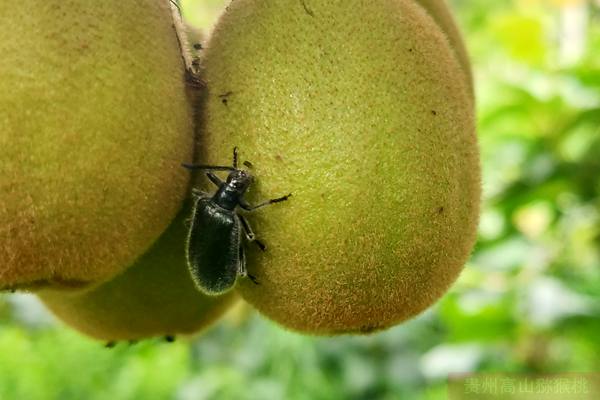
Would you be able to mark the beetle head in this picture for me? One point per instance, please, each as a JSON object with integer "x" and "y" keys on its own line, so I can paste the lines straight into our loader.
{"x": 239, "y": 180}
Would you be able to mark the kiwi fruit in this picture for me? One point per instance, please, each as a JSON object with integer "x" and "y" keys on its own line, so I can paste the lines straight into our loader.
{"x": 362, "y": 111}
{"x": 95, "y": 124}
{"x": 439, "y": 11}
{"x": 155, "y": 297}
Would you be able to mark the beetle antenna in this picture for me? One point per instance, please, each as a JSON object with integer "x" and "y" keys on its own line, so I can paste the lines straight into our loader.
{"x": 207, "y": 167}
{"x": 235, "y": 157}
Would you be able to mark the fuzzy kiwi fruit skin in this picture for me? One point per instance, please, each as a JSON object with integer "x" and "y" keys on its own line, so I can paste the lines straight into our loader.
{"x": 155, "y": 297}
{"x": 95, "y": 124}
{"x": 442, "y": 15}
{"x": 361, "y": 110}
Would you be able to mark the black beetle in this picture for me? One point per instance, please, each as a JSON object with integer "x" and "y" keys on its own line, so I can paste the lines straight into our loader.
{"x": 214, "y": 251}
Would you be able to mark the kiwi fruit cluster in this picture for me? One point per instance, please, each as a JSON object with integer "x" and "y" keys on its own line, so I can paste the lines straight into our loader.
{"x": 362, "y": 109}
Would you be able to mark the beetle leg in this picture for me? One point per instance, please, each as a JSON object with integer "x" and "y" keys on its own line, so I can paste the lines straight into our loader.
{"x": 250, "y": 236}
{"x": 260, "y": 245}
{"x": 199, "y": 193}
{"x": 242, "y": 271}
{"x": 215, "y": 179}
{"x": 242, "y": 263}
{"x": 244, "y": 204}
{"x": 253, "y": 279}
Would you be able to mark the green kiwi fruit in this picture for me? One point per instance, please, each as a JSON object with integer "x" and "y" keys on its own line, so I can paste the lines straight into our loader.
{"x": 439, "y": 11}
{"x": 361, "y": 110}
{"x": 155, "y": 297}
{"x": 95, "y": 123}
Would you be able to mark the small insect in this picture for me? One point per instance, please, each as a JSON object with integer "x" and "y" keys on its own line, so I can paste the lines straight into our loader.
{"x": 215, "y": 252}
{"x": 169, "y": 338}
{"x": 225, "y": 97}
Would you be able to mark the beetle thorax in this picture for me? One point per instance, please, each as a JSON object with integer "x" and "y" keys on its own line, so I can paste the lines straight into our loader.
{"x": 228, "y": 196}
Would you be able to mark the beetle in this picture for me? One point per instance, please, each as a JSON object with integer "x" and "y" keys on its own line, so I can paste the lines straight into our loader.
{"x": 215, "y": 253}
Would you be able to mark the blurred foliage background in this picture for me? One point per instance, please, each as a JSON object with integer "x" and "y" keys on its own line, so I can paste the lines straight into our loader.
{"x": 528, "y": 301}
